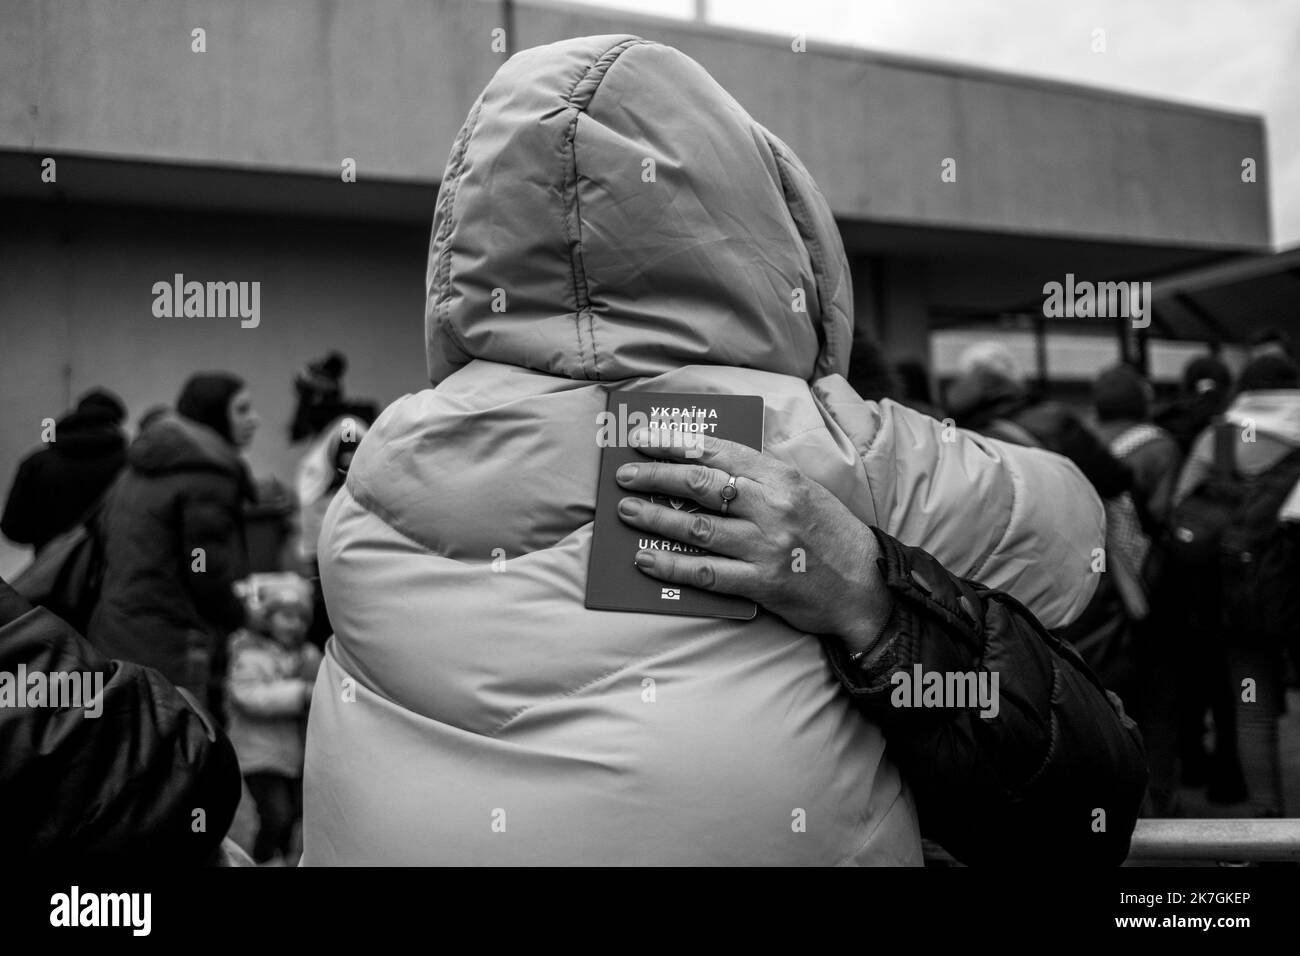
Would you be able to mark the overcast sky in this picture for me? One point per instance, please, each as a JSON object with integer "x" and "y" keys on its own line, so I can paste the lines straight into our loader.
{"x": 1241, "y": 55}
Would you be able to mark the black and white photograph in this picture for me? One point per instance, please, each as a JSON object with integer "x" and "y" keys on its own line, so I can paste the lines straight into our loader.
{"x": 688, "y": 434}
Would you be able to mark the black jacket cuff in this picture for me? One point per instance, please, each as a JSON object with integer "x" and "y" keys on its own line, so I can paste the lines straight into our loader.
{"x": 924, "y": 596}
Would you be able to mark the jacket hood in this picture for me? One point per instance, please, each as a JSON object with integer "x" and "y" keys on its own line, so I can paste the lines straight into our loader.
{"x": 1274, "y": 412}
{"x": 609, "y": 211}
{"x": 174, "y": 443}
{"x": 81, "y": 436}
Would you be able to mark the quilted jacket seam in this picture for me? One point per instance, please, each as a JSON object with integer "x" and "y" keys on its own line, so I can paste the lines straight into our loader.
{"x": 1053, "y": 729}
{"x": 572, "y": 692}
{"x": 366, "y": 501}
{"x": 442, "y": 272}
{"x": 1012, "y": 516}
{"x": 803, "y": 223}
{"x": 573, "y": 208}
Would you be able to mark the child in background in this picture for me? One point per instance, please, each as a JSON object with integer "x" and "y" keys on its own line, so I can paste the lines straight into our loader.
{"x": 272, "y": 671}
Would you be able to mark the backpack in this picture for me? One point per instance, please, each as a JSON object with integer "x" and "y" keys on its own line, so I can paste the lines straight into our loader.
{"x": 66, "y": 576}
{"x": 1228, "y": 530}
{"x": 1197, "y": 523}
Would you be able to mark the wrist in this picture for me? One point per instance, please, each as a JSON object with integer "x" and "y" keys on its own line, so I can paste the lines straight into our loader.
{"x": 870, "y": 604}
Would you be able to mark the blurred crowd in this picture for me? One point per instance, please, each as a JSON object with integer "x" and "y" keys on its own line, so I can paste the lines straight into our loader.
{"x": 168, "y": 581}
{"x": 1192, "y": 622}
{"x": 1196, "y": 617}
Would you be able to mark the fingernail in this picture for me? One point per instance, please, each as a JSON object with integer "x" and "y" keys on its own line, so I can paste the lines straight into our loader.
{"x": 644, "y": 559}
{"x": 630, "y": 506}
{"x": 626, "y": 473}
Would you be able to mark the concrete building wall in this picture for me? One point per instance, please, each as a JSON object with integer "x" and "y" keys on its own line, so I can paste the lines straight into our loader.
{"x": 300, "y": 84}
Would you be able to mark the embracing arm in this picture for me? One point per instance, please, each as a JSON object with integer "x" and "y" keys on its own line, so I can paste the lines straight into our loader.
{"x": 1025, "y": 783}
{"x": 1052, "y": 772}
{"x": 1019, "y": 519}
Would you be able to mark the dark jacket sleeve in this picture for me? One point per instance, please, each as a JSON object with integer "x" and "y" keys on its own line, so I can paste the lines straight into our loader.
{"x": 211, "y": 521}
{"x": 1056, "y": 777}
{"x": 139, "y": 775}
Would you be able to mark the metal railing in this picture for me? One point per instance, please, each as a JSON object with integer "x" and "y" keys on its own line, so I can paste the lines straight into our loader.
{"x": 1215, "y": 841}
{"x": 1178, "y": 842}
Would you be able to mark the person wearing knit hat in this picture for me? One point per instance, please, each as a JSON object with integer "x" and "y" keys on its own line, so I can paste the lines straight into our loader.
{"x": 1121, "y": 393}
{"x": 1206, "y": 373}
{"x": 1206, "y": 389}
{"x": 272, "y": 672}
{"x": 319, "y": 388}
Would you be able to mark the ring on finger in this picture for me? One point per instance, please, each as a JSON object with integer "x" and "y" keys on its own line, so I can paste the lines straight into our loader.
{"x": 728, "y": 493}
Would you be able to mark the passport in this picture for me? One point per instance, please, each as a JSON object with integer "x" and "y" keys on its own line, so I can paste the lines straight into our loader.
{"x": 614, "y": 583}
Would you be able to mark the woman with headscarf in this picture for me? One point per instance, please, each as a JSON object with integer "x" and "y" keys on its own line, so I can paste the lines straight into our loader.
{"x": 174, "y": 539}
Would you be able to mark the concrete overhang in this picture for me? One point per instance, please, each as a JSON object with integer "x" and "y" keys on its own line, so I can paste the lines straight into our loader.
{"x": 1051, "y": 177}
{"x": 297, "y": 85}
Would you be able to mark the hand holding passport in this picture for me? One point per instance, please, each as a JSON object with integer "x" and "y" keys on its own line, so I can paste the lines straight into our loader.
{"x": 613, "y": 581}
{"x": 786, "y": 540}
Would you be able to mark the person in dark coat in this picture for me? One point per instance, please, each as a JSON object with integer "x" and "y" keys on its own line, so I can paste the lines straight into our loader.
{"x": 1227, "y": 636}
{"x": 1122, "y": 404}
{"x": 56, "y": 486}
{"x": 119, "y": 779}
{"x": 1121, "y": 399}
{"x": 174, "y": 539}
{"x": 1206, "y": 390}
